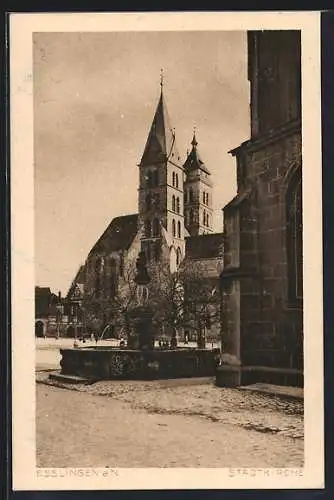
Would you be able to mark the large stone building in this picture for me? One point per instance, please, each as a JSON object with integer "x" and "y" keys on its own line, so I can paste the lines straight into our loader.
{"x": 261, "y": 284}
{"x": 173, "y": 226}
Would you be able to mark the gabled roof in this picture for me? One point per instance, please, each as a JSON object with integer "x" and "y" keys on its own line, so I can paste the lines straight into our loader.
{"x": 118, "y": 236}
{"x": 160, "y": 144}
{"x": 238, "y": 199}
{"x": 205, "y": 246}
{"x": 194, "y": 161}
{"x": 78, "y": 280}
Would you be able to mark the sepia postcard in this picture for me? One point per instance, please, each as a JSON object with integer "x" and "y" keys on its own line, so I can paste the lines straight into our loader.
{"x": 166, "y": 249}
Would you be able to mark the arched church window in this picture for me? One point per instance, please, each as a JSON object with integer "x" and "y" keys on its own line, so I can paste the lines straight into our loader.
{"x": 155, "y": 178}
{"x": 178, "y": 205}
{"x": 173, "y": 227}
{"x": 178, "y": 229}
{"x": 173, "y": 203}
{"x": 98, "y": 275}
{"x": 191, "y": 195}
{"x": 156, "y": 227}
{"x": 148, "y": 228}
{"x": 294, "y": 239}
{"x": 176, "y": 180}
{"x": 204, "y": 218}
{"x": 149, "y": 178}
{"x": 148, "y": 202}
{"x": 178, "y": 256}
{"x": 173, "y": 179}
{"x": 207, "y": 198}
{"x": 113, "y": 277}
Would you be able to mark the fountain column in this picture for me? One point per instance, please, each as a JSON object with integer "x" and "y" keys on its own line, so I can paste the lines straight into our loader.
{"x": 142, "y": 314}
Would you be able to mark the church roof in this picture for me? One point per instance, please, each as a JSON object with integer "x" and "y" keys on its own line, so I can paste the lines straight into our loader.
{"x": 205, "y": 246}
{"x": 118, "y": 236}
{"x": 194, "y": 160}
{"x": 161, "y": 144}
{"x": 238, "y": 199}
{"x": 78, "y": 281}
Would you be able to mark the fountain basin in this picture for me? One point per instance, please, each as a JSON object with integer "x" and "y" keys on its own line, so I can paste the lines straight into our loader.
{"x": 108, "y": 363}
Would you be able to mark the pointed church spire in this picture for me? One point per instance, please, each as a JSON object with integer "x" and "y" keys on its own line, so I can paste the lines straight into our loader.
{"x": 161, "y": 79}
{"x": 160, "y": 144}
{"x": 194, "y": 161}
{"x": 194, "y": 141}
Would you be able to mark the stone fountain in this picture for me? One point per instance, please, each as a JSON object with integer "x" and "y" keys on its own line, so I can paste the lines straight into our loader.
{"x": 139, "y": 359}
{"x": 142, "y": 337}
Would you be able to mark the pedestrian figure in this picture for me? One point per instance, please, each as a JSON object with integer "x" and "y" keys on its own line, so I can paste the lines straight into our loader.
{"x": 96, "y": 337}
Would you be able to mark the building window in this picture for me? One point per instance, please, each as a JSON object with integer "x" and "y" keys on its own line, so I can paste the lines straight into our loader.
{"x": 149, "y": 178}
{"x": 148, "y": 228}
{"x": 173, "y": 227}
{"x": 207, "y": 220}
{"x": 98, "y": 272}
{"x": 294, "y": 240}
{"x": 185, "y": 196}
{"x": 173, "y": 179}
{"x": 113, "y": 277}
{"x": 156, "y": 227}
{"x": 204, "y": 197}
{"x": 207, "y": 198}
{"x": 173, "y": 203}
{"x": 191, "y": 195}
{"x": 178, "y": 256}
{"x": 204, "y": 218}
{"x": 178, "y": 205}
{"x": 148, "y": 202}
{"x": 179, "y": 229}
{"x": 176, "y": 180}
{"x": 155, "y": 178}
{"x": 191, "y": 216}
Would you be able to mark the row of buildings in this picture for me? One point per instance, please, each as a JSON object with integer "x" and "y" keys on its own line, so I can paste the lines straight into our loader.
{"x": 252, "y": 270}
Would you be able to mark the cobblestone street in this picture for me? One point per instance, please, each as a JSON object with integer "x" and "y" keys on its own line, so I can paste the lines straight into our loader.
{"x": 154, "y": 424}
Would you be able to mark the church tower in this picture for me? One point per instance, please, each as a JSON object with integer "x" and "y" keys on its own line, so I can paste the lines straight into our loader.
{"x": 161, "y": 192}
{"x": 197, "y": 194}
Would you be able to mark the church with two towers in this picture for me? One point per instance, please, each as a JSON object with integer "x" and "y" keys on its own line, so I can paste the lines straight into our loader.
{"x": 174, "y": 223}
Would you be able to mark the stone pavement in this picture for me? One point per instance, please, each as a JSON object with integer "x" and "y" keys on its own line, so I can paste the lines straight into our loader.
{"x": 144, "y": 425}
{"x": 274, "y": 424}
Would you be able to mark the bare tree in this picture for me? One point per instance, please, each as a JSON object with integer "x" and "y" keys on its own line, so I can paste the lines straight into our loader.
{"x": 181, "y": 300}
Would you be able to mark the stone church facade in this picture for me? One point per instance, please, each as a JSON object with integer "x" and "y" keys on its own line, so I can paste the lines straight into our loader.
{"x": 173, "y": 226}
{"x": 261, "y": 283}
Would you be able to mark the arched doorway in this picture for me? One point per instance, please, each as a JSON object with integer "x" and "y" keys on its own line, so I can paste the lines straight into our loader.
{"x": 39, "y": 329}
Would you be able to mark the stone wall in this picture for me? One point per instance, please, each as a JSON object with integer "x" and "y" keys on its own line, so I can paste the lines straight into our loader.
{"x": 255, "y": 298}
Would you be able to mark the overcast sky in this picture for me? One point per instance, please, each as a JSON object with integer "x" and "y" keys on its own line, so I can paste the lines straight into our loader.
{"x": 95, "y": 95}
